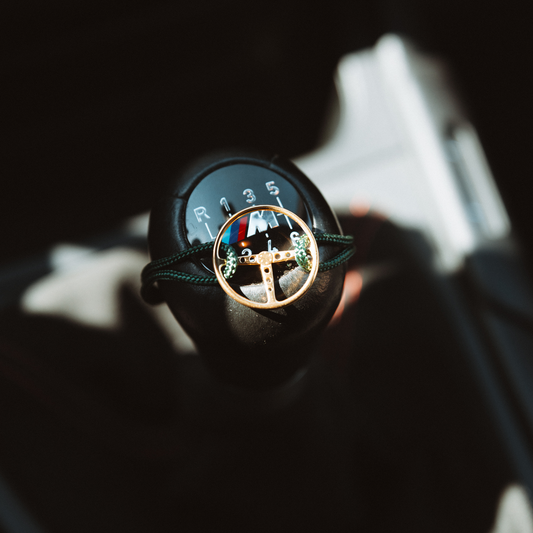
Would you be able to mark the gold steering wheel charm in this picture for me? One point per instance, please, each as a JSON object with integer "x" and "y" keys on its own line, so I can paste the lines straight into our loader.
{"x": 251, "y": 223}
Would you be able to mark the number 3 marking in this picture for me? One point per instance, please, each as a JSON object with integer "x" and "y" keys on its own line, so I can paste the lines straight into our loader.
{"x": 250, "y": 196}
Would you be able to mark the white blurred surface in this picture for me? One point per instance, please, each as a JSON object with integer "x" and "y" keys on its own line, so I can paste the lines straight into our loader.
{"x": 390, "y": 149}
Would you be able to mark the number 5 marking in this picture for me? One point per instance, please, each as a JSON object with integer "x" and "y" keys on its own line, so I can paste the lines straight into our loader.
{"x": 272, "y": 188}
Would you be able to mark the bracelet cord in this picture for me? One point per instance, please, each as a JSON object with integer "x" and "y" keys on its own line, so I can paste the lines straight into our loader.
{"x": 157, "y": 270}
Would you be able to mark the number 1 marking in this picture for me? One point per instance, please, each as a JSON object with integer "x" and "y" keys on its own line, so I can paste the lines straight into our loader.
{"x": 225, "y": 205}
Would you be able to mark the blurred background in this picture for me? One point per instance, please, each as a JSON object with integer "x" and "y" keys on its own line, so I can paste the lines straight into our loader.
{"x": 103, "y": 102}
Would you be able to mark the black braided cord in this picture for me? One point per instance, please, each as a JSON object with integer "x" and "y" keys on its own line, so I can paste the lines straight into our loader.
{"x": 156, "y": 270}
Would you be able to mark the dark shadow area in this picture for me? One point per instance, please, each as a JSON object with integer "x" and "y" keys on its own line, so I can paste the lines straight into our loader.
{"x": 426, "y": 443}
{"x": 103, "y": 102}
{"x": 389, "y": 431}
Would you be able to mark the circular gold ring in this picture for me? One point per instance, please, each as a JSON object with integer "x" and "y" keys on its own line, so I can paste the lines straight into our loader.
{"x": 264, "y": 260}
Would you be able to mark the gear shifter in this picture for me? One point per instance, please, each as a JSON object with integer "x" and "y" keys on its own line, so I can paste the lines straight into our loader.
{"x": 255, "y": 301}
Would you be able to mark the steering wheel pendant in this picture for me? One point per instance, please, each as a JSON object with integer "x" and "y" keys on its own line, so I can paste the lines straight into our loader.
{"x": 258, "y": 227}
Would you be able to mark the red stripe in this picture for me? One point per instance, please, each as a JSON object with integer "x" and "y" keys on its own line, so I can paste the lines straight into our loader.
{"x": 243, "y": 224}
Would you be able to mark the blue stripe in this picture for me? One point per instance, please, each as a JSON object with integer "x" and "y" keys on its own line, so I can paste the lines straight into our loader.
{"x": 226, "y": 236}
{"x": 235, "y": 231}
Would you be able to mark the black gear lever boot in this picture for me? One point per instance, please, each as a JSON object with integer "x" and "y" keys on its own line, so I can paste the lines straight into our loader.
{"x": 269, "y": 212}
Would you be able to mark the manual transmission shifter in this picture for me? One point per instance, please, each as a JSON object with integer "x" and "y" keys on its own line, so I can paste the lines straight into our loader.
{"x": 255, "y": 327}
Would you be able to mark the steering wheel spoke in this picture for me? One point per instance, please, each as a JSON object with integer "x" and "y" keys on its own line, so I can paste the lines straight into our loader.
{"x": 244, "y": 260}
{"x": 268, "y": 282}
{"x": 265, "y": 261}
{"x": 285, "y": 255}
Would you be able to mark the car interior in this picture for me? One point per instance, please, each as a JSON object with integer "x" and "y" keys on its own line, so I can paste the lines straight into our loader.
{"x": 382, "y": 148}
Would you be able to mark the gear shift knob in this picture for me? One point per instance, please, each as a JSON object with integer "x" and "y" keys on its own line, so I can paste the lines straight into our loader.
{"x": 255, "y": 301}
